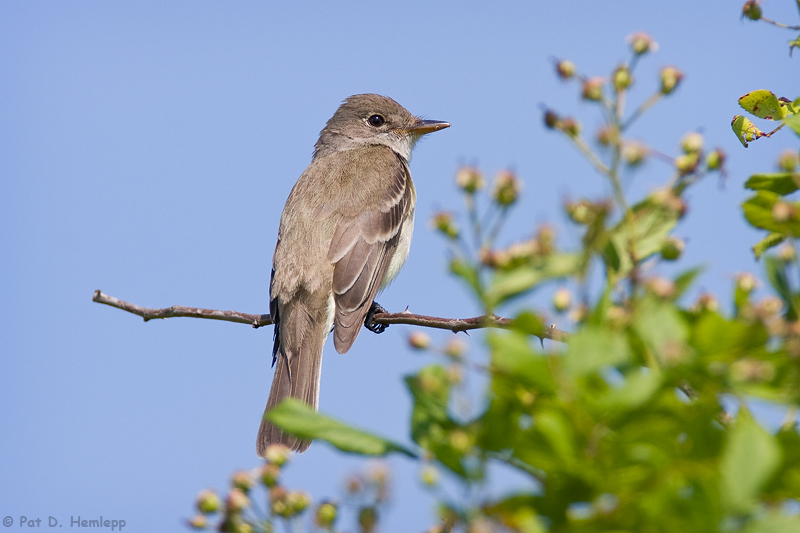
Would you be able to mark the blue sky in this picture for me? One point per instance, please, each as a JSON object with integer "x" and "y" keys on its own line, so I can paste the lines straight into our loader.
{"x": 146, "y": 149}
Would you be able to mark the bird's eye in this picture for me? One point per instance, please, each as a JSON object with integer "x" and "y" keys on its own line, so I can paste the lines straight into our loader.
{"x": 376, "y": 120}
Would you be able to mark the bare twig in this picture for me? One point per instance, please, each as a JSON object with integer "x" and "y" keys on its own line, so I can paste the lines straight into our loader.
{"x": 257, "y": 321}
{"x": 779, "y": 24}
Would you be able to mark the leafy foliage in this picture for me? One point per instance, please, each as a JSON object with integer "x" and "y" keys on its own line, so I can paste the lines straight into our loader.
{"x": 629, "y": 425}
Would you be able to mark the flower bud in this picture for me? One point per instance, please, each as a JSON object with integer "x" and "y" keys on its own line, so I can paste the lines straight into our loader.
{"x": 751, "y": 10}
{"x": 431, "y": 383}
{"x": 208, "y": 502}
{"x": 670, "y": 79}
{"x": 269, "y": 474}
{"x": 551, "y": 119}
{"x": 460, "y": 440}
{"x": 198, "y": 522}
{"x": 706, "y": 301}
{"x": 429, "y": 475}
{"x": 419, "y": 340}
{"x": 618, "y": 317}
{"x": 571, "y": 127}
{"x": 580, "y": 212}
{"x": 444, "y": 223}
{"x": 692, "y": 143}
{"x": 297, "y": 501}
{"x": 607, "y": 136}
{"x": 325, "y": 516}
{"x": 480, "y": 525}
{"x": 455, "y": 348}
{"x": 661, "y": 287}
{"x": 788, "y": 160}
{"x": 379, "y": 476}
{"x": 622, "y": 78}
{"x": 546, "y": 239}
{"x": 666, "y": 197}
{"x": 634, "y": 153}
{"x": 592, "y": 89}
{"x": 771, "y": 305}
{"x": 367, "y": 519}
{"x": 746, "y": 282}
{"x": 686, "y": 163}
{"x": 787, "y": 253}
{"x": 565, "y": 69}
{"x": 753, "y": 370}
{"x": 672, "y": 248}
{"x": 242, "y": 480}
{"x": 715, "y": 159}
{"x": 470, "y": 179}
{"x": 489, "y": 257}
{"x": 455, "y": 374}
{"x": 277, "y": 454}
{"x": 236, "y": 501}
{"x": 561, "y": 299}
{"x": 782, "y": 211}
{"x": 277, "y": 501}
{"x": 506, "y": 188}
{"x": 641, "y": 43}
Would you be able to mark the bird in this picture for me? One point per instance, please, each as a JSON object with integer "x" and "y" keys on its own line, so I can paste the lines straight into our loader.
{"x": 344, "y": 234}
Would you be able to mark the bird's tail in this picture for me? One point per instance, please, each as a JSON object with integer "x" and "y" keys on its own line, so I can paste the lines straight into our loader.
{"x": 297, "y": 370}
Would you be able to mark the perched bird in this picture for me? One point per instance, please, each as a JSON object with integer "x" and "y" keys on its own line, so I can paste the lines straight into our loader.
{"x": 344, "y": 234}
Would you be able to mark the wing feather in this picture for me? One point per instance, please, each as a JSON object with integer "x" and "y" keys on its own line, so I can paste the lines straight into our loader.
{"x": 362, "y": 249}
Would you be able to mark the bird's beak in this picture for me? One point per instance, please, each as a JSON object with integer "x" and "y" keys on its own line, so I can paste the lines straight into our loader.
{"x": 427, "y": 126}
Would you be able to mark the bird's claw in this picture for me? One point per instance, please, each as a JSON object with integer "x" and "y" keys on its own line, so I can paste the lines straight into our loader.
{"x": 369, "y": 323}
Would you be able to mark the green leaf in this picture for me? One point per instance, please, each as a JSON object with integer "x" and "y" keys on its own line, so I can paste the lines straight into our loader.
{"x": 594, "y": 347}
{"x": 793, "y": 122}
{"x": 774, "y": 522}
{"x": 295, "y": 417}
{"x": 513, "y": 356}
{"x": 758, "y": 212}
{"x": 770, "y": 241}
{"x": 751, "y": 456}
{"x": 523, "y": 278}
{"x": 763, "y": 104}
{"x": 685, "y": 279}
{"x": 468, "y": 273}
{"x": 550, "y": 443}
{"x": 640, "y": 385}
{"x": 652, "y": 224}
{"x": 529, "y": 323}
{"x": 431, "y": 425}
{"x": 776, "y": 275}
{"x": 516, "y": 512}
{"x": 663, "y": 330}
{"x": 779, "y": 182}
{"x": 794, "y": 44}
{"x": 745, "y": 130}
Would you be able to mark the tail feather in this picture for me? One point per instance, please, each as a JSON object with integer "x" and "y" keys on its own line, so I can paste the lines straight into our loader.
{"x": 297, "y": 372}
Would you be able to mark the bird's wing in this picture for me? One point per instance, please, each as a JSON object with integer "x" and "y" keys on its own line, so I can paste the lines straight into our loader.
{"x": 362, "y": 248}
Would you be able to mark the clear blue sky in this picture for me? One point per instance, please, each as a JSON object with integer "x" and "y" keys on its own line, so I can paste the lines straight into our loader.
{"x": 146, "y": 149}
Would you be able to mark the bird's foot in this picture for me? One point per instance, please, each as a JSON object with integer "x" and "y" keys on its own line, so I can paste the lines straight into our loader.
{"x": 369, "y": 322}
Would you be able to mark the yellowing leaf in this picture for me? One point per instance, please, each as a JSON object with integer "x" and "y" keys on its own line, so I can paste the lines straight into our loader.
{"x": 763, "y": 104}
{"x": 745, "y": 130}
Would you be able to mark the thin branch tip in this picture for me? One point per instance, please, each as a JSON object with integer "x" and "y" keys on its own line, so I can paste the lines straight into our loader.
{"x": 258, "y": 320}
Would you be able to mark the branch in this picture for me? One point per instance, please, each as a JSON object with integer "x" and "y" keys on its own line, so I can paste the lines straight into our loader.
{"x": 453, "y": 324}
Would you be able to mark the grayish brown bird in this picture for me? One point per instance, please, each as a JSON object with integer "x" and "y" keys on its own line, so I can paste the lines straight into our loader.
{"x": 344, "y": 234}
